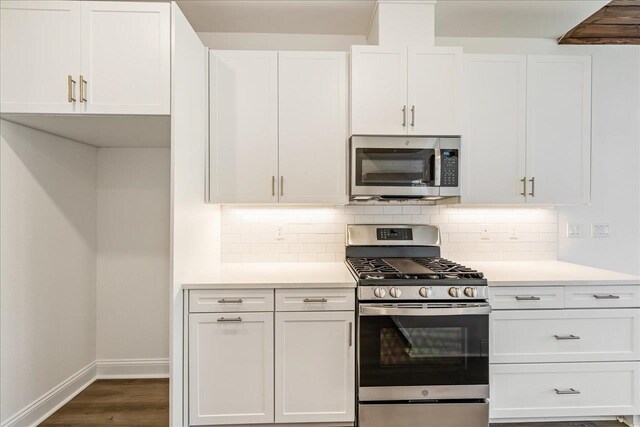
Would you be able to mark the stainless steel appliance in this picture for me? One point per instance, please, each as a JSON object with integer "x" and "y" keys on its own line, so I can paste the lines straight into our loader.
{"x": 423, "y": 330}
{"x": 398, "y": 167}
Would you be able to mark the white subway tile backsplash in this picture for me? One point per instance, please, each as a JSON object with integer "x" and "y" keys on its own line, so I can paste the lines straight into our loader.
{"x": 317, "y": 234}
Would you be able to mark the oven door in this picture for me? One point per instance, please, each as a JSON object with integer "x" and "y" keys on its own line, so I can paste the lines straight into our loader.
{"x": 423, "y": 351}
{"x": 395, "y": 166}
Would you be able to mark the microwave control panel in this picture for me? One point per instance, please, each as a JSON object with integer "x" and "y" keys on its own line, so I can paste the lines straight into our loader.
{"x": 449, "y": 168}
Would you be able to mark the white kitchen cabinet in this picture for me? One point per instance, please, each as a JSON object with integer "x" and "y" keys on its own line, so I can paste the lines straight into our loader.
{"x": 125, "y": 58}
{"x": 434, "y": 91}
{"x": 312, "y": 132}
{"x": 558, "y": 129}
{"x": 400, "y": 90}
{"x": 315, "y": 367}
{"x": 494, "y": 145}
{"x": 40, "y": 51}
{"x": 243, "y": 126}
{"x": 88, "y": 57}
{"x": 230, "y": 368}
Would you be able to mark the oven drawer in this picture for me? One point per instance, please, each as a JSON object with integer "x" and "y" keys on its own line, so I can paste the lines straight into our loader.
{"x": 528, "y": 336}
{"x": 517, "y": 297}
{"x": 424, "y": 415}
{"x": 565, "y": 389}
{"x": 230, "y": 300}
{"x": 315, "y": 300}
{"x": 602, "y": 296}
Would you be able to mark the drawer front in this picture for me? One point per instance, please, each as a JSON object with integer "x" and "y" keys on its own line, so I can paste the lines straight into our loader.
{"x": 230, "y": 300}
{"x": 564, "y": 390}
{"x": 510, "y": 298}
{"x": 602, "y": 296}
{"x": 315, "y": 299}
{"x": 529, "y": 336}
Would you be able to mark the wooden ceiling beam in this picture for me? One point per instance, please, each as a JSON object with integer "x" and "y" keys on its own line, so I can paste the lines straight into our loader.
{"x": 616, "y": 23}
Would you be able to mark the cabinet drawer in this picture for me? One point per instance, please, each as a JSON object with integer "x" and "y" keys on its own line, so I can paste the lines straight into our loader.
{"x": 509, "y": 298}
{"x": 528, "y": 336}
{"x": 564, "y": 389}
{"x": 315, "y": 299}
{"x": 230, "y": 300}
{"x": 602, "y": 296}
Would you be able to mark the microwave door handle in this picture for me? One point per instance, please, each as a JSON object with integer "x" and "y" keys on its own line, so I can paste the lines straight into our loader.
{"x": 438, "y": 168}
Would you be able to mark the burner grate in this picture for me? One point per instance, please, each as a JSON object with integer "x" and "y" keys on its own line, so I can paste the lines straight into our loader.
{"x": 440, "y": 268}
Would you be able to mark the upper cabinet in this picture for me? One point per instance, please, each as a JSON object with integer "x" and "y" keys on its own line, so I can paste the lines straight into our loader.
{"x": 527, "y": 134}
{"x": 85, "y": 57}
{"x": 278, "y": 127}
{"x": 406, "y": 91}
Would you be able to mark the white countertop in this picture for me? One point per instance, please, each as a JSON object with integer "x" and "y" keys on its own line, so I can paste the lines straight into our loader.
{"x": 275, "y": 275}
{"x": 535, "y": 273}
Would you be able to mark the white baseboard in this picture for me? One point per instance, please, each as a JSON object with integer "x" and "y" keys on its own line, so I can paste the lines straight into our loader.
{"x": 132, "y": 368}
{"x": 48, "y": 403}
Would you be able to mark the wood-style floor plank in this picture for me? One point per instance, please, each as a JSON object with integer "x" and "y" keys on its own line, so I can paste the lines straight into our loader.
{"x": 132, "y": 403}
{"x": 564, "y": 424}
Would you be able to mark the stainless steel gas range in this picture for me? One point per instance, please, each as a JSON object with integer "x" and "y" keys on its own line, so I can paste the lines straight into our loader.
{"x": 423, "y": 331}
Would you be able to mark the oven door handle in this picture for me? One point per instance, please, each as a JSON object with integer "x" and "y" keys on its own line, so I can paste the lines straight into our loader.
{"x": 378, "y": 310}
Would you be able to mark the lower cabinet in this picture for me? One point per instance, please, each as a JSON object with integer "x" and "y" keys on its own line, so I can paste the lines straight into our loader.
{"x": 230, "y": 368}
{"x": 315, "y": 364}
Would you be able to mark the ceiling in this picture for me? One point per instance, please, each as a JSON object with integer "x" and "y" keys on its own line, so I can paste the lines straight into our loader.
{"x": 454, "y": 18}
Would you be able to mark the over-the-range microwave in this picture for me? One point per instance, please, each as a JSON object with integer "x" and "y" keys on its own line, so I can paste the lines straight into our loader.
{"x": 401, "y": 167}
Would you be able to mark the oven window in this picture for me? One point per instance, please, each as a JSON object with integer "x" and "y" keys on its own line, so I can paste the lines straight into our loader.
{"x": 395, "y": 167}
{"x": 423, "y": 350}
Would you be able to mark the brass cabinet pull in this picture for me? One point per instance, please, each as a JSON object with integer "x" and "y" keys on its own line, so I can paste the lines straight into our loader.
{"x": 413, "y": 115}
{"x": 71, "y": 89}
{"x": 83, "y": 82}
{"x": 524, "y": 186}
{"x": 282, "y": 185}
{"x": 533, "y": 186}
{"x": 404, "y": 116}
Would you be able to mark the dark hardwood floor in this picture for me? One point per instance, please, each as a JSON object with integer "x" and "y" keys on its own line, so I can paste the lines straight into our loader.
{"x": 145, "y": 403}
{"x": 131, "y": 403}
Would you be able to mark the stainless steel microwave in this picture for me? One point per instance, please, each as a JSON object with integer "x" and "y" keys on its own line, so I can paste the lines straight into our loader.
{"x": 397, "y": 167}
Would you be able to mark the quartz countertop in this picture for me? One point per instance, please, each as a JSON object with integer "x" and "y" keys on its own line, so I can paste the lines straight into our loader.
{"x": 275, "y": 276}
{"x": 536, "y": 273}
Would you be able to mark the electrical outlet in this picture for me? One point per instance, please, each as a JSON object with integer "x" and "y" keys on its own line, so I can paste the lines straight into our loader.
{"x": 600, "y": 230}
{"x": 574, "y": 230}
{"x": 513, "y": 232}
{"x": 279, "y": 232}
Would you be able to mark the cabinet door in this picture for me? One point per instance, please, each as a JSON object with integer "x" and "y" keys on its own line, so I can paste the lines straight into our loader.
{"x": 230, "y": 368}
{"x": 315, "y": 367}
{"x": 558, "y": 129}
{"x": 126, "y": 57}
{"x": 40, "y": 49}
{"x": 312, "y": 127}
{"x": 243, "y": 126}
{"x": 435, "y": 91}
{"x": 378, "y": 90}
{"x": 495, "y": 118}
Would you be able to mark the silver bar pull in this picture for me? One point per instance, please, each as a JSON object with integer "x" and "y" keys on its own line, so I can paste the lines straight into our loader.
{"x": 350, "y": 334}
{"x": 314, "y": 300}
{"x": 282, "y": 185}
{"x": 230, "y": 301}
{"x": 404, "y": 116}
{"x": 527, "y": 298}
{"x": 524, "y": 186}
{"x": 273, "y": 185}
{"x": 607, "y": 296}
{"x": 569, "y": 391}
{"x": 567, "y": 337}
{"x": 533, "y": 186}
{"x": 230, "y": 319}
{"x": 71, "y": 89}
{"x": 83, "y": 82}
{"x": 413, "y": 115}
{"x": 438, "y": 168}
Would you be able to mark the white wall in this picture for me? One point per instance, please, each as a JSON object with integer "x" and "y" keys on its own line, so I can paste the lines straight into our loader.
{"x": 274, "y": 41}
{"x": 615, "y": 192}
{"x": 47, "y": 264}
{"x": 133, "y": 253}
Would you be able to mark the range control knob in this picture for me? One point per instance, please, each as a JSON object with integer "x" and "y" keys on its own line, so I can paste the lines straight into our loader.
{"x": 379, "y": 292}
{"x": 454, "y": 292}
{"x": 395, "y": 292}
{"x": 471, "y": 292}
{"x": 425, "y": 292}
